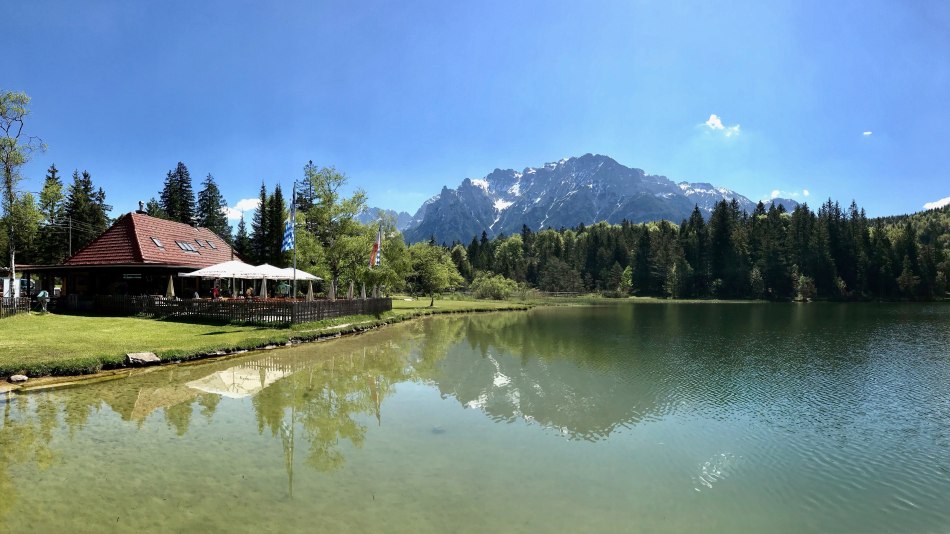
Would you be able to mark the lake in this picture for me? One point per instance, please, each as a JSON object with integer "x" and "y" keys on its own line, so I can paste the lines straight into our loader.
{"x": 629, "y": 417}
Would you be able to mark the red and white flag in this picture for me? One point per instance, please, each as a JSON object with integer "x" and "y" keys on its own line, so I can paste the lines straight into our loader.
{"x": 374, "y": 257}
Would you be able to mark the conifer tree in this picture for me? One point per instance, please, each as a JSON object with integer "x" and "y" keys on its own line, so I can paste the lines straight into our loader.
{"x": 260, "y": 230}
{"x": 154, "y": 209}
{"x": 86, "y": 206}
{"x": 178, "y": 197}
{"x": 209, "y": 209}
{"x": 242, "y": 243}
{"x": 276, "y": 215}
{"x": 53, "y": 234}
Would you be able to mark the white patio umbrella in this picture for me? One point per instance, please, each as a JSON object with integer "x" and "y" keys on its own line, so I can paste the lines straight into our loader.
{"x": 300, "y": 275}
{"x": 270, "y": 272}
{"x": 170, "y": 292}
{"x": 228, "y": 269}
{"x": 310, "y": 291}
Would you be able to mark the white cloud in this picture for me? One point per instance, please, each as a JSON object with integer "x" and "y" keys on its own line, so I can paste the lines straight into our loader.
{"x": 938, "y": 204}
{"x": 867, "y": 134}
{"x": 715, "y": 123}
{"x": 805, "y": 192}
{"x": 243, "y": 205}
{"x": 776, "y": 193}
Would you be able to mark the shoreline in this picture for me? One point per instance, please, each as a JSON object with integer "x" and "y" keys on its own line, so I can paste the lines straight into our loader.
{"x": 69, "y": 375}
{"x": 329, "y": 333}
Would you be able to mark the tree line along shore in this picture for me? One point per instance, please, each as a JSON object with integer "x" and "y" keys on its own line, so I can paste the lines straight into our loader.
{"x": 833, "y": 253}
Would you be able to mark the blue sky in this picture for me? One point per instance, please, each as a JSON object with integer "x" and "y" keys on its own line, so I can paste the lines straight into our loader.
{"x": 842, "y": 99}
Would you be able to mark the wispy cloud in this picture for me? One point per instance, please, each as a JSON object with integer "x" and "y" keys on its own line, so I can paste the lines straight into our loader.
{"x": 867, "y": 134}
{"x": 245, "y": 204}
{"x": 715, "y": 124}
{"x": 937, "y": 204}
{"x": 805, "y": 192}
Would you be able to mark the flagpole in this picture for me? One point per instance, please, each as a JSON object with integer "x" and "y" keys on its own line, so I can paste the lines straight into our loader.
{"x": 293, "y": 222}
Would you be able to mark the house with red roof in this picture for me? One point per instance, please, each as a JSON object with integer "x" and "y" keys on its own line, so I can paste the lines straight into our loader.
{"x": 136, "y": 256}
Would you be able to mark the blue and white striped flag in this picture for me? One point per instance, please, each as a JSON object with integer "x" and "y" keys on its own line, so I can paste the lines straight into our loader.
{"x": 288, "y": 237}
{"x": 289, "y": 233}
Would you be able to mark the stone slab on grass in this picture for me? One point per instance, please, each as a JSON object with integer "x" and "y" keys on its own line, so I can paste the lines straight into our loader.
{"x": 142, "y": 358}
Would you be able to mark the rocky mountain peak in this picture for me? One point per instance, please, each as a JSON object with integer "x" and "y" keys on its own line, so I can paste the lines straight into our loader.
{"x": 565, "y": 193}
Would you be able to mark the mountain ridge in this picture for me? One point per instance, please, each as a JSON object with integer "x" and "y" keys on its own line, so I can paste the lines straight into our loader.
{"x": 571, "y": 191}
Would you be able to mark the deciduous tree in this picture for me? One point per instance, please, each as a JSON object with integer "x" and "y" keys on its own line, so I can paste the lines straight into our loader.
{"x": 15, "y": 150}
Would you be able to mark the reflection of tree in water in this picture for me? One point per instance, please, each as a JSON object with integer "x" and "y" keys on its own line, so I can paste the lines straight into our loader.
{"x": 326, "y": 398}
{"x": 25, "y": 433}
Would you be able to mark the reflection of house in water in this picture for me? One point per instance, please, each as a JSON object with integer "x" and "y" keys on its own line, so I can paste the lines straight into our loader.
{"x": 242, "y": 380}
{"x": 187, "y": 384}
{"x": 150, "y": 399}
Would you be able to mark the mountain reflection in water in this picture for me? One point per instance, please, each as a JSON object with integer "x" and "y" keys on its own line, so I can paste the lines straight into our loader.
{"x": 809, "y": 409}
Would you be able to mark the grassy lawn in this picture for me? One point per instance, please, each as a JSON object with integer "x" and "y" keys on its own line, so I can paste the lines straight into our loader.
{"x": 402, "y": 306}
{"x": 40, "y": 345}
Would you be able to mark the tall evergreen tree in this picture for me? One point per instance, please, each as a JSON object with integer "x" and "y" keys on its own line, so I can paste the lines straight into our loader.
{"x": 260, "y": 230}
{"x": 53, "y": 234}
{"x": 306, "y": 194}
{"x": 178, "y": 196}
{"x": 86, "y": 206}
{"x": 276, "y": 216}
{"x": 694, "y": 238}
{"x": 242, "y": 243}
{"x": 209, "y": 210}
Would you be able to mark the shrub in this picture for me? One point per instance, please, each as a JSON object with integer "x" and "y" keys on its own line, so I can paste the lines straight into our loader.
{"x": 488, "y": 286}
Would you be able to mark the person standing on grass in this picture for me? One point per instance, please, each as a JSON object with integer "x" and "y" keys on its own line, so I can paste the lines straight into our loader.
{"x": 43, "y": 298}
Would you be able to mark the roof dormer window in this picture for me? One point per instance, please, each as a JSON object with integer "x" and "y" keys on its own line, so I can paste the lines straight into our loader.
{"x": 187, "y": 247}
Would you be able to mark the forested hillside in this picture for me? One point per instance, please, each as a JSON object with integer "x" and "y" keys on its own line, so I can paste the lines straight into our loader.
{"x": 833, "y": 253}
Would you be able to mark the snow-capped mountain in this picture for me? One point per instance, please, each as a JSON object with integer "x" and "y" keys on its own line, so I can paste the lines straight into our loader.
{"x": 574, "y": 190}
{"x": 372, "y": 215}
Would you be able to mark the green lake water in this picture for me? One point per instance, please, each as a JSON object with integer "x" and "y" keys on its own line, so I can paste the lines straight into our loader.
{"x": 622, "y": 418}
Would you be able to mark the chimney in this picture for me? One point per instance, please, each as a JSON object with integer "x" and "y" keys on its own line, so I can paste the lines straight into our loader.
{"x": 141, "y": 210}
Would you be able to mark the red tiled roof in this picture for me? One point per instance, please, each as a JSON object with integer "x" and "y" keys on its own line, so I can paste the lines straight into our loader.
{"x": 129, "y": 242}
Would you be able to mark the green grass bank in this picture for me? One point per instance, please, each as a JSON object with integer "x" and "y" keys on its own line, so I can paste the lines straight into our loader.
{"x": 65, "y": 345}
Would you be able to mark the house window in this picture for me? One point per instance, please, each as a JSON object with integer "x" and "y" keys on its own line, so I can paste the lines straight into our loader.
{"x": 199, "y": 243}
{"x": 157, "y": 242}
{"x": 187, "y": 247}
{"x": 210, "y": 244}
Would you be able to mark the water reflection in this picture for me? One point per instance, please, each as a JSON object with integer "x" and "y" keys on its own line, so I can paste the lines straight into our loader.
{"x": 324, "y": 400}
{"x": 24, "y": 439}
{"x": 824, "y": 375}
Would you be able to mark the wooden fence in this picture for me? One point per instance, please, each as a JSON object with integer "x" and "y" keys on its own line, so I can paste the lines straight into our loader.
{"x": 10, "y": 306}
{"x": 245, "y": 311}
